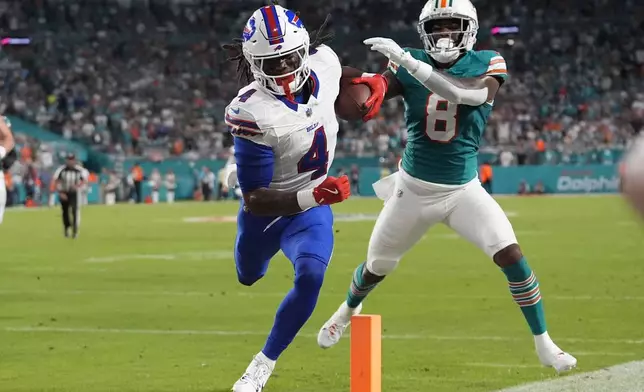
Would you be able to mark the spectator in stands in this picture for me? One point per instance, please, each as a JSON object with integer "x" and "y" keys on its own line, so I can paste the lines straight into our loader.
{"x": 147, "y": 79}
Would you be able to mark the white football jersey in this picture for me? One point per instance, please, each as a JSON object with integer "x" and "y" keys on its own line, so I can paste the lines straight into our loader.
{"x": 302, "y": 136}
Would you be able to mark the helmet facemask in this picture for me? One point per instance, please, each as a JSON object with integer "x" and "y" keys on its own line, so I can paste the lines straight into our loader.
{"x": 283, "y": 73}
{"x": 446, "y": 44}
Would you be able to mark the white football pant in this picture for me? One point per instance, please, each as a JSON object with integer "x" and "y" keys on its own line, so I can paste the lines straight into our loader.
{"x": 170, "y": 197}
{"x": 413, "y": 206}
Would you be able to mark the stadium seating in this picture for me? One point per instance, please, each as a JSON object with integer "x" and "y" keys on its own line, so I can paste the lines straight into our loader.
{"x": 151, "y": 80}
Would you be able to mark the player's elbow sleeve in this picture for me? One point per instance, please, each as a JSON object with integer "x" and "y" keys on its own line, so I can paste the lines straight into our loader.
{"x": 452, "y": 93}
{"x": 468, "y": 97}
{"x": 254, "y": 165}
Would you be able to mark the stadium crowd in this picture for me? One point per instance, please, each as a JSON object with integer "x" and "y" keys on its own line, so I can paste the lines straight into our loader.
{"x": 148, "y": 78}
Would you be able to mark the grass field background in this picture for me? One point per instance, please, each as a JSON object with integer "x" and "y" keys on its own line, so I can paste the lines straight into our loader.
{"x": 145, "y": 301}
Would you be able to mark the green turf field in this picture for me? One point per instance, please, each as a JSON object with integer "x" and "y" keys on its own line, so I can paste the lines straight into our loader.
{"x": 145, "y": 301}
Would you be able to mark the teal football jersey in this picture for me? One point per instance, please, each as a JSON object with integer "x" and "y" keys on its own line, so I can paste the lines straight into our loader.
{"x": 443, "y": 138}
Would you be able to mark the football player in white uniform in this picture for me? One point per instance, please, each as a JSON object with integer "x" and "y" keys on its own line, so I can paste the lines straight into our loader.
{"x": 7, "y": 157}
{"x": 285, "y": 130}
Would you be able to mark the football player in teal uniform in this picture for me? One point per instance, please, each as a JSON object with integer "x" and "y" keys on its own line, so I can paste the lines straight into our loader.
{"x": 448, "y": 90}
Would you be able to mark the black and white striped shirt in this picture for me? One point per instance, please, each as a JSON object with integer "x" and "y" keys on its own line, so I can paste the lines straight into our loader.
{"x": 70, "y": 177}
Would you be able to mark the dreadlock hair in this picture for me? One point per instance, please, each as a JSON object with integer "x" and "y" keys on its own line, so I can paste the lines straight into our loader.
{"x": 320, "y": 36}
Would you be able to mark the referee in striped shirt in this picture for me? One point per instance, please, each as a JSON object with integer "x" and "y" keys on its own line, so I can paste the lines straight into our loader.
{"x": 70, "y": 180}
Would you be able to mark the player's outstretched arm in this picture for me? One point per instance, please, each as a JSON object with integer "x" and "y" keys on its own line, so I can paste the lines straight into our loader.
{"x": 6, "y": 138}
{"x": 488, "y": 84}
{"x": 473, "y": 93}
{"x": 271, "y": 202}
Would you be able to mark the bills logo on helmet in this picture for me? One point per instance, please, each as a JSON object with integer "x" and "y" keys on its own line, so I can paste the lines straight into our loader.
{"x": 293, "y": 19}
{"x": 249, "y": 30}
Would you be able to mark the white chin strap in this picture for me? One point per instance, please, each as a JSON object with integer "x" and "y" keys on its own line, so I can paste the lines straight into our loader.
{"x": 446, "y": 51}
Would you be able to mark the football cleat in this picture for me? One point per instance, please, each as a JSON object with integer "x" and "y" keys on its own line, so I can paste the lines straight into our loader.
{"x": 561, "y": 361}
{"x": 332, "y": 330}
{"x": 256, "y": 375}
{"x": 550, "y": 355}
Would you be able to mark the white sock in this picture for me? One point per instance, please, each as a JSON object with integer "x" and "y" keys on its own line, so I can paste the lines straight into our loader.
{"x": 544, "y": 343}
{"x": 345, "y": 312}
{"x": 263, "y": 358}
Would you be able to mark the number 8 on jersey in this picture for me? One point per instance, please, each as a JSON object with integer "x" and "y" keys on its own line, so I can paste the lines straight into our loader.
{"x": 441, "y": 119}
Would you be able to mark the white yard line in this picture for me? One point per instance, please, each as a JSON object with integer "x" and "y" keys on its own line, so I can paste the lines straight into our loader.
{"x": 243, "y": 293}
{"x": 629, "y": 223}
{"x": 181, "y": 256}
{"x": 309, "y": 335}
{"x": 503, "y": 365}
{"x": 153, "y": 293}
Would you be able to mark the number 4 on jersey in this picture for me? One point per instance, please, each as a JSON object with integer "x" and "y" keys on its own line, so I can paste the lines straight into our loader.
{"x": 440, "y": 119}
{"x": 317, "y": 158}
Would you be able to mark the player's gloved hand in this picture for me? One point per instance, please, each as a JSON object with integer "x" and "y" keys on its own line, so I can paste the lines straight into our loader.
{"x": 378, "y": 85}
{"x": 394, "y": 52}
{"x": 332, "y": 190}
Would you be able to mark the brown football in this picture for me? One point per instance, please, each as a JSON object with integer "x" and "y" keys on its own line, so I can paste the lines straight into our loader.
{"x": 350, "y": 101}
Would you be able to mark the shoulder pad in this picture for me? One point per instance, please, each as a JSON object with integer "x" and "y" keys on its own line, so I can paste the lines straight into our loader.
{"x": 496, "y": 65}
{"x": 325, "y": 52}
{"x": 242, "y": 123}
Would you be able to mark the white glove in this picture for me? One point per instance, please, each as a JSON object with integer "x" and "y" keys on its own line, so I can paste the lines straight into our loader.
{"x": 394, "y": 52}
{"x": 231, "y": 175}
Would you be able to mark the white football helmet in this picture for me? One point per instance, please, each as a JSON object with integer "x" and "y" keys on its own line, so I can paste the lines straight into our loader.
{"x": 274, "y": 36}
{"x": 446, "y": 48}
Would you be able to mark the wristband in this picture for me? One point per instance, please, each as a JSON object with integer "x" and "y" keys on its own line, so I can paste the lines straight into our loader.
{"x": 306, "y": 200}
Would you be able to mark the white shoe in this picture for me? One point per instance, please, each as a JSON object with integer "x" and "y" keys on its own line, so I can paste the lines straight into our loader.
{"x": 332, "y": 330}
{"x": 256, "y": 375}
{"x": 550, "y": 355}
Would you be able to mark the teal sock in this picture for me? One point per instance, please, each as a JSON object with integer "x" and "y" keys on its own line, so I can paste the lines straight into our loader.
{"x": 358, "y": 290}
{"x": 524, "y": 288}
